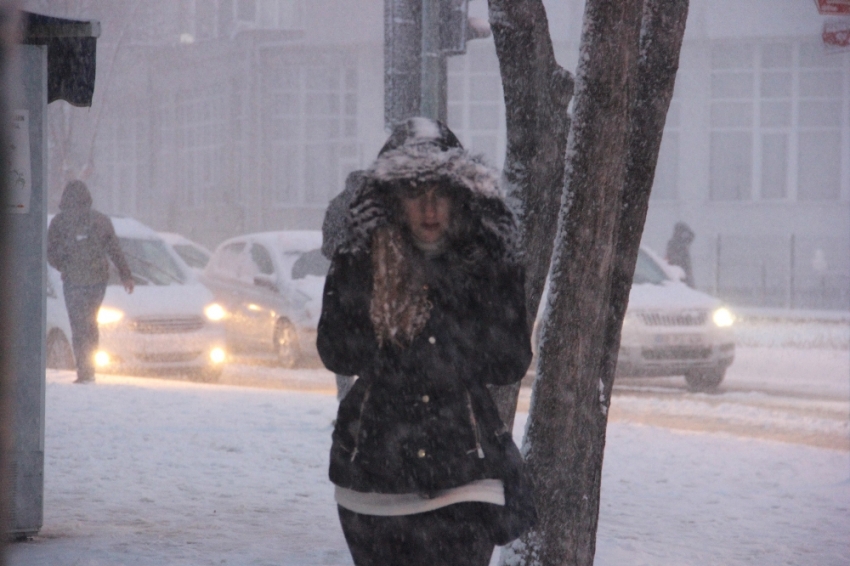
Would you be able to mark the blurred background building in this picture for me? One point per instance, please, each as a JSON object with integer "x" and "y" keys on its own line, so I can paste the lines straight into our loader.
{"x": 219, "y": 117}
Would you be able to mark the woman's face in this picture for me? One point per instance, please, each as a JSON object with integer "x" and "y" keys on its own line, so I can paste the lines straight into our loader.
{"x": 428, "y": 214}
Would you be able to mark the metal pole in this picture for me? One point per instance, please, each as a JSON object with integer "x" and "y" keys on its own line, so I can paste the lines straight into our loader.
{"x": 717, "y": 267}
{"x": 763, "y": 283}
{"x": 432, "y": 86}
{"x": 8, "y": 23}
{"x": 791, "y": 268}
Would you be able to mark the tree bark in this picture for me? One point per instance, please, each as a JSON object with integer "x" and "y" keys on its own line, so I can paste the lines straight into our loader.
{"x": 565, "y": 435}
{"x": 625, "y": 83}
{"x": 661, "y": 42}
{"x": 537, "y": 92}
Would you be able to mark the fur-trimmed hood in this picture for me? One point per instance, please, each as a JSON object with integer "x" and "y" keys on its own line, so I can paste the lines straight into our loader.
{"x": 424, "y": 151}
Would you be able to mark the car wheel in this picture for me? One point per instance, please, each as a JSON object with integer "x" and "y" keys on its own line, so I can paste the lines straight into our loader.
{"x": 704, "y": 379}
{"x": 59, "y": 352}
{"x": 286, "y": 345}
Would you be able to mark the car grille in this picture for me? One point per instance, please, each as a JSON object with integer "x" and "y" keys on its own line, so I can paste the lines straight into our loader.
{"x": 168, "y": 325}
{"x": 168, "y": 357}
{"x": 677, "y": 353}
{"x": 687, "y": 318}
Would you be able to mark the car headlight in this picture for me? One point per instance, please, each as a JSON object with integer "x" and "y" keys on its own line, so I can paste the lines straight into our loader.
{"x": 218, "y": 355}
{"x": 215, "y": 312}
{"x": 107, "y": 315}
{"x": 102, "y": 359}
{"x": 723, "y": 317}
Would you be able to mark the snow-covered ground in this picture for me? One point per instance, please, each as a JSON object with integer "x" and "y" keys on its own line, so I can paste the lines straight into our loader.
{"x": 151, "y": 472}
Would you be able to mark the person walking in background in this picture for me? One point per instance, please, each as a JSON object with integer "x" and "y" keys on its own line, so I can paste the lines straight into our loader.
{"x": 424, "y": 302}
{"x": 679, "y": 250}
{"x": 79, "y": 241}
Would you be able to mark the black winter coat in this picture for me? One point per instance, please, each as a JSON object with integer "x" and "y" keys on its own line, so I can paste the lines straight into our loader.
{"x": 407, "y": 425}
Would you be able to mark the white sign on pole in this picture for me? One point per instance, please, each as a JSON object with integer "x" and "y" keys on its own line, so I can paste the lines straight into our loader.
{"x": 20, "y": 170}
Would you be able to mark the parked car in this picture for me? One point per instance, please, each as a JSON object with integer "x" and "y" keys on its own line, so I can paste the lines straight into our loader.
{"x": 192, "y": 253}
{"x": 670, "y": 329}
{"x": 58, "y": 351}
{"x": 271, "y": 284}
{"x": 169, "y": 324}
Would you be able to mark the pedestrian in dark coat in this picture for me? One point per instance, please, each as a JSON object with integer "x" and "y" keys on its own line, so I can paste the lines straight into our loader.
{"x": 423, "y": 299}
{"x": 679, "y": 250}
{"x": 79, "y": 241}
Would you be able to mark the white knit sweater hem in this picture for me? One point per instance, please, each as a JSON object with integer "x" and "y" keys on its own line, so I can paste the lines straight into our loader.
{"x": 394, "y": 504}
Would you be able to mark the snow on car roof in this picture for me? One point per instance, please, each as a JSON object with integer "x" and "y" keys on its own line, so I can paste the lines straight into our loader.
{"x": 175, "y": 238}
{"x": 132, "y": 228}
{"x": 290, "y": 240}
{"x": 127, "y": 228}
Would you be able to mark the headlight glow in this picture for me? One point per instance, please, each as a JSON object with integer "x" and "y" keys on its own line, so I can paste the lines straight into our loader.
{"x": 102, "y": 359}
{"x": 107, "y": 315}
{"x": 217, "y": 355}
{"x": 215, "y": 312}
{"x": 723, "y": 317}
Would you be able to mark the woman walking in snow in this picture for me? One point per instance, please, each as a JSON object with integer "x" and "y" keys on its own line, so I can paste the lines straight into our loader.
{"x": 424, "y": 302}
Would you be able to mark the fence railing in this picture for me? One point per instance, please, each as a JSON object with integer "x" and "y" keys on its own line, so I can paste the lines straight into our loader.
{"x": 797, "y": 272}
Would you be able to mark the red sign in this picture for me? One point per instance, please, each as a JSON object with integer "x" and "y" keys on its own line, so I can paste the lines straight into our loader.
{"x": 833, "y": 7}
{"x": 836, "y": 35}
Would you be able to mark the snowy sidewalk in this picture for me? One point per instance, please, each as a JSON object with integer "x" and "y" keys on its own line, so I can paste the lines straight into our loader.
{"x": 154, "y": 472}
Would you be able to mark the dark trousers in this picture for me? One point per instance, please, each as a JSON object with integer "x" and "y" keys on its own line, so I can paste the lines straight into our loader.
{"x": 83, "y": 302}
{"x": 449, "y": 536}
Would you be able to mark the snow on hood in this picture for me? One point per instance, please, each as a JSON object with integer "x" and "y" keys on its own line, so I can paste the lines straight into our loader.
{"x": 670, "y": 295}
{"x": 159, "y": 300}
{"x": 422, "y": 151}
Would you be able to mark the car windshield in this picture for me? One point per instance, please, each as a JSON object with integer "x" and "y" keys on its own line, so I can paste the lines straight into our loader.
{"x": 309, "y": 263}
{"x": 192, "y": 255}
{"x": 150, "y": 263}
{"x": 648, "y": 271}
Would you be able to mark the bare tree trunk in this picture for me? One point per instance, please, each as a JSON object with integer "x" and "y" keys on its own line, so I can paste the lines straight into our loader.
{"x": 621, "y": 107}
{"x": 661, "y": 42}
{"x": 537, "y": 92}
{"x": 565, "y": 437}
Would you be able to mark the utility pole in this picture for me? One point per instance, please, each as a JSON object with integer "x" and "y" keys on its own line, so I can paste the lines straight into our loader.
{"x": 418, "y": 37}
{"x": 432, "y": 90}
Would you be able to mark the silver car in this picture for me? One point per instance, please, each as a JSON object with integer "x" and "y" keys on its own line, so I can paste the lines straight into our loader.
{"x": 271, "y": 285}
{"x": 671, "y": 330}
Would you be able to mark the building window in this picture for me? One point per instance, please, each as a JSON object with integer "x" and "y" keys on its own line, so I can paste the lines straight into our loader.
{"x": 311, "y": 131}
{"x": 119, "y": 162}
{"x": 732, "y": 83}
{"x": 200, "y": 135}
{"x": 822, "y": 79}
{"x": 475, "y": 102}
{"x": 775, "y": 111}
{"x": 665, "y": 183}
{"x": 268, "y": 14}
{"x": 777, "y": 122}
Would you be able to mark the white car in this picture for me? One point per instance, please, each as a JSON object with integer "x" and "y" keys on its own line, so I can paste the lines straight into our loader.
{"x": 670, "y": 329}
{"x": 192, "y": 253}
{"x": 58, "y": 351}
{"x": 271, "y": 284}
{"x": 169, "y": 324}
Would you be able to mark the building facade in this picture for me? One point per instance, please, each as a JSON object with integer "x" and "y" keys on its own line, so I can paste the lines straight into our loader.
{"x": 232, "y": 116}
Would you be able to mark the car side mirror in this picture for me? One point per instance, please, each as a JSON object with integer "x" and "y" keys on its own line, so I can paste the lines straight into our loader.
{"x": 266, "y": 282}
